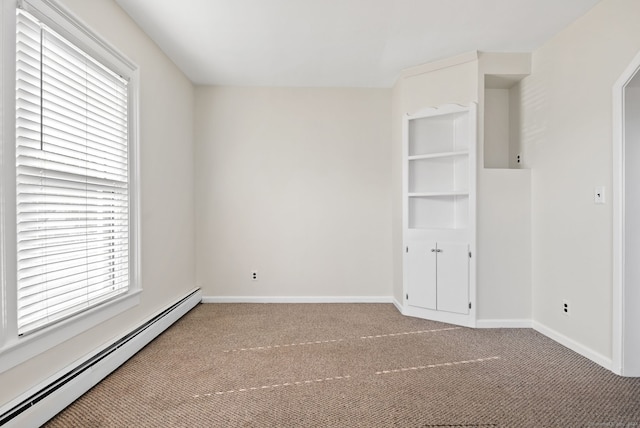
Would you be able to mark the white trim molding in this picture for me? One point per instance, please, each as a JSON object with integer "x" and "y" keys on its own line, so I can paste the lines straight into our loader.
{"x": 622, "y": 319}
{"x": 397, "y": 304}
{"x": 439, "y": 64}
{"x": 504, "y": 323}
{"x": 573, "y": 345}
{"x": 297, "y": 299}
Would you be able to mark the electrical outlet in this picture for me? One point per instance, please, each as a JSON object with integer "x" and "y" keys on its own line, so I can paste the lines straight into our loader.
{"x": 598, "y": 195}
{"x": 254, "y": 275}
{"x": 566, "y": 307}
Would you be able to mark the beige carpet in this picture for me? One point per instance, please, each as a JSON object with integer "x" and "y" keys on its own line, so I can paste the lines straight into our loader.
{"x": 351, "y": 365}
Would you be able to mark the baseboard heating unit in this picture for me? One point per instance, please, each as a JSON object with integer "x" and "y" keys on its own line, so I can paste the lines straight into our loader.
{"x": 46, "y": 401}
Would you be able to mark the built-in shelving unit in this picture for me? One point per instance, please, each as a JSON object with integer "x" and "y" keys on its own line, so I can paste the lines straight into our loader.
{"x": 439, "y": 211}
{"x": 437, "y": 168}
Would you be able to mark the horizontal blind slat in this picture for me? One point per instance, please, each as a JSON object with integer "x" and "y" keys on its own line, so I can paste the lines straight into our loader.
{"x": 96, "y": 275}
{"x": 52, "y": 313}
{"x": 35, "y": 171}
{"x": 33, "y": 302}
{"x": 94, "y": 284}
{"x": 30, "y": 244}
{"x": 60, "y": 184}
{"x": 66, "y": 75}
{"x": 59, "y": 272}
{"x": 75, "y": 219}
{"x": 72, "y": 178}
{"x": 30, "y": 237}
{"x": 51, "y": 161}
{"x": 115, "y": 122}
{"x": 36, "y": 261}
{"x": 73, "y": 278}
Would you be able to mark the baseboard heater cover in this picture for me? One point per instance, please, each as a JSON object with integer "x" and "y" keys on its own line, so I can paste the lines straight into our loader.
{"x": 47, "y": 401}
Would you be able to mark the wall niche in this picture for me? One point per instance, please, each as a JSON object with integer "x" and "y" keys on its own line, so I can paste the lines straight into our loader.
{"x": 502, "y": 121}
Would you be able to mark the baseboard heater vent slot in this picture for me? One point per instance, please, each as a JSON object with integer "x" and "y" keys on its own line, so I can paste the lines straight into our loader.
{"x": 185, "y": 304}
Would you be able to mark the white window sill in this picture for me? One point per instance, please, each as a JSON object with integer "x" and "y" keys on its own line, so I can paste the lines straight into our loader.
{"x": 18, "y": 350}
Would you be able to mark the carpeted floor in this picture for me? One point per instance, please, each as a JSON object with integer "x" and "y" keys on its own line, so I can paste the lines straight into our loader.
{"x": 351, "y": 365}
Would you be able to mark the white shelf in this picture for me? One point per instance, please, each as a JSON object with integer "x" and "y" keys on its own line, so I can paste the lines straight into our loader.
{"x": 438, "y": 194}
{"x": 438, "y": 210}
{"x": 438, "y": 174}
{"x": 439, "y": 155}
{"x": 442, "y": 231}
{"x": 438, "y": 134}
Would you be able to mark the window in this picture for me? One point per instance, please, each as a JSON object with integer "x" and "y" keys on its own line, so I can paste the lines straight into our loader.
{"x": 70, "y": 248}
{"x": 71, "y": 178}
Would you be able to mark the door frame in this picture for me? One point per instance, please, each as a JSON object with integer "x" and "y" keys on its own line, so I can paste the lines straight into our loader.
{"x": 622, "y": 323}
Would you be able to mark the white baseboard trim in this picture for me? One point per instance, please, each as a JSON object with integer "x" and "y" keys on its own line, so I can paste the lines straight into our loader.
{"x": 297, "y": 299}
{"x": 504, "y": 323}
{"x": 44, "y": 401}
{"x": 573, "y": 345}
{"x": 397, "y": 304}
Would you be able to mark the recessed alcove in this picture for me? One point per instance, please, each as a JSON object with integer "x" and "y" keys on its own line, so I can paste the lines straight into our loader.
{"x": 502, "y": 121}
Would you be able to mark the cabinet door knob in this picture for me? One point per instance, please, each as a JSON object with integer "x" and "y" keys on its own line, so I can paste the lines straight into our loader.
{"x": 433, "y": 250}
{"x": 438, "y": 250}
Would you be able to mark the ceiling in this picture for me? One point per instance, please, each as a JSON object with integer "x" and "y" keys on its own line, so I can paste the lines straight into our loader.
{"x": 339, "y": 43}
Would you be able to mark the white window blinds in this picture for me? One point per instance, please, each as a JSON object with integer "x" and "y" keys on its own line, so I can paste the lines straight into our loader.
{"x": 72, "y": 178}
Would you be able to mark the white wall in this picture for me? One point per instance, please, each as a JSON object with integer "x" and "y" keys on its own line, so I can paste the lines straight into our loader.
{"x": 504, "y": 247}
{"x": 167, "y": 202}
{"x": 567, "y": 134}
{"x": 293, "y": 183}
{"x": 504, "y": 196}
{"x": 496, "y": 128}
{"x": 515, "y": 126}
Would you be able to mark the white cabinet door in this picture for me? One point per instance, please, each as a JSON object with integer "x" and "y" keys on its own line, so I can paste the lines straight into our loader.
{"x": 453, "y": 277}
{"x": 421, "y": 274}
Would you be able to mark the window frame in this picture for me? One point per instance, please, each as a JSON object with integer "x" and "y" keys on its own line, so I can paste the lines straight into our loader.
{"x": 15, "y": 349}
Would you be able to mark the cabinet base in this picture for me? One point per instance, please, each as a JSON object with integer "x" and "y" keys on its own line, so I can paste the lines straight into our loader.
{"x": 465, "y": 320}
